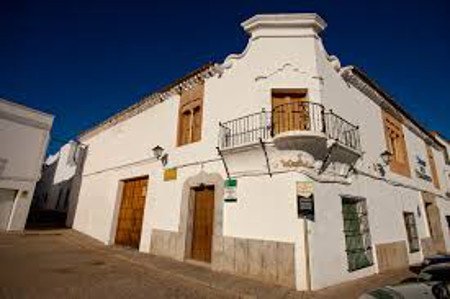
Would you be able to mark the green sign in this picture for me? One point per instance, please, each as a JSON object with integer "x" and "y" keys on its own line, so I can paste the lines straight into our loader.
{"x": 230, "y": 194}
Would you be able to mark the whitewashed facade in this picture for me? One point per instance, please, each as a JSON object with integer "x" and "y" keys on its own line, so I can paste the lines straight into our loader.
{"x": 24, "y": 135}
{"x": 334, "y": 155}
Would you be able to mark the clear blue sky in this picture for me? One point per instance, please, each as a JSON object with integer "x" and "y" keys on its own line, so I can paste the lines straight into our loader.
{"x": 85, "y": 60}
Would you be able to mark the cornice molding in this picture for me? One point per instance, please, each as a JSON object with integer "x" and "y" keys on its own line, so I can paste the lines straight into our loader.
{"x": 356, "y": 81}
{"x": 26, "y": 121}
{"x": 299, "y": 20}
{"x": 152, "y": 100}
{"x": 25, "y": 115}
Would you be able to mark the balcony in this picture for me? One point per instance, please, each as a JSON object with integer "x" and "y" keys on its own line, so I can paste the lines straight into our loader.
{"x": 302, "y": 126}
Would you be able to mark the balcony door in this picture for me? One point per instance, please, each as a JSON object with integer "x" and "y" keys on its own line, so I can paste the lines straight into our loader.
{"x": 290, "y": 111}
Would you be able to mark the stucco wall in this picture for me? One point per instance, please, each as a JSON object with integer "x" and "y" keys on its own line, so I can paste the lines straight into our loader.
{"x": 24, "y": 134}
{"x": 385, "y": 205}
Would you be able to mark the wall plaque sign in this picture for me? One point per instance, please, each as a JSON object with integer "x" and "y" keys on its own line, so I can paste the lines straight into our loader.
{"x": 230, "y": 190}
{"x": 305, "y": 200}
{"x": 170, "y": 174}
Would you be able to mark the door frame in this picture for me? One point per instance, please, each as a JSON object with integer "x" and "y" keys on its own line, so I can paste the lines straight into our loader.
{"x": 186, "y": 209}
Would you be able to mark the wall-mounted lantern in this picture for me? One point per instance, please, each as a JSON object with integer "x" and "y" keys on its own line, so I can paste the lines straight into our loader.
{"x": 386, "y": 158}
{"x": 158, "y": 153}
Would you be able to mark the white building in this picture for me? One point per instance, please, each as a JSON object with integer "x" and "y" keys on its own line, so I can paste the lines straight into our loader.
{"x": 24, "y": 135}
{"x": 312, "y": 201}
{"x": 57, "y": 190}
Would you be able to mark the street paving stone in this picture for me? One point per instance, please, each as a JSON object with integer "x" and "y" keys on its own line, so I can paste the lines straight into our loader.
{"x": 67, "y": 264}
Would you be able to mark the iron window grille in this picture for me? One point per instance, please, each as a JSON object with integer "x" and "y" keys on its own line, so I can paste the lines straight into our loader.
{"x": 411, "y": 231}
{"x": 357, "y": 233}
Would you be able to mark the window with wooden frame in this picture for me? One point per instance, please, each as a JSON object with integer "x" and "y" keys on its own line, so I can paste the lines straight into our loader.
{"x": 396, "y": 145}
{"x": 357, "y": 233}
{"x": 190, "y": 115}
{"x": 433, "y": 169}
{"x": 411, "y": 231}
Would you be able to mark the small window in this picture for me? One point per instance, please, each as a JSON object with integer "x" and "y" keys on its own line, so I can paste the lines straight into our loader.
{"x": 357, "y": 233}
{"x": 395, "y": 141}
{"x": 190, "y": 115}
{"x": 411, "y": 231}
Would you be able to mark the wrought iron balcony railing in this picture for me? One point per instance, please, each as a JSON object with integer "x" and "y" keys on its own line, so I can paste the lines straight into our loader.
{"x": 288, "y": 118}
{"x": 342, "y": 131}
{"x": 297, "y": 116}
{"x": 245, "y": 130}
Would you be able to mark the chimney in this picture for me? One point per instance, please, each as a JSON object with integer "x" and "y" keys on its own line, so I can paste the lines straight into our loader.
{"x": 284, "y": 25}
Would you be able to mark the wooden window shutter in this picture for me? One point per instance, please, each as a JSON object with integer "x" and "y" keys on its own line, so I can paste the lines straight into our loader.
{"x": 185, "y": 127}
{"x": 395, "y": 142}
{"x": 433, "y": 169}
{"x": 190, "y": 115}
{"x": 196, "y": 124}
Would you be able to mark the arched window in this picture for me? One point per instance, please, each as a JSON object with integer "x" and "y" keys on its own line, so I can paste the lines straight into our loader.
{"x": 190, "y": 115}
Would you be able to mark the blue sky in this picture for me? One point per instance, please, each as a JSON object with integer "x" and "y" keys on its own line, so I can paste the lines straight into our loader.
{"x": 85, "y": 60}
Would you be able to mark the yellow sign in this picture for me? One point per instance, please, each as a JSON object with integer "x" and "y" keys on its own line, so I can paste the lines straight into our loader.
{"x": 170, "y": 174}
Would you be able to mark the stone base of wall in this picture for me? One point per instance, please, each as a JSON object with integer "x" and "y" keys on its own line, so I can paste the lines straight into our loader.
{"x": 268, "y": 261}
{"x": 428, "y": 248}
{"x": 392, "y": 255}
{"x": 167, "y": 243}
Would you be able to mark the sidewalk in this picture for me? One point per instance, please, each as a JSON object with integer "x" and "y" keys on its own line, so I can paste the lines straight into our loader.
{"x": 55, "y": 263}
{"x": 242, "y": 286}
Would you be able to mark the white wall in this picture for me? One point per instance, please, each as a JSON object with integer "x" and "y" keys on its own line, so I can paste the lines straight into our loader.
{"x": 385, "y": 204}
{"x": 24, "y": 133}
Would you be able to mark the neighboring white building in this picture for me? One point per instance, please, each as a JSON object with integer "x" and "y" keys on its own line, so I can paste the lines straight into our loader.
{"x": 311, "y": 201}
{"x": 24, "y": 135}
{"x": 57, "y": 190}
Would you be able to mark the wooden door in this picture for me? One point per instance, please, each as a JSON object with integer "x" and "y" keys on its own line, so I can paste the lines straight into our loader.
{"x": 131, "y": 212}
{"x": 203, "y": 224}
{"x": 290, "y": 112}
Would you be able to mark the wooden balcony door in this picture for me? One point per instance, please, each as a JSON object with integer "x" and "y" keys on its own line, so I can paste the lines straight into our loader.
{"x": 290, "y": 111}
{"x": 203, "y": 220}
{"x": 131, "y": 212}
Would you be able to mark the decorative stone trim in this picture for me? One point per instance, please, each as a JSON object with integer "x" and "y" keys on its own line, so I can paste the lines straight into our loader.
{"x": 299, "y": 20}
{"x": 392, "y": 255}
{"x": 186, "y": 210}
{"x": 45, "y": 124}
{"x": 267, "y": 261}
{"x": 167, "y": 243}
{"x": 427, "y": 246}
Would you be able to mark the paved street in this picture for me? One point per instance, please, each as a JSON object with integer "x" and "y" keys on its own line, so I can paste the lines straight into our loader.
{"x": 66, "y": 264}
